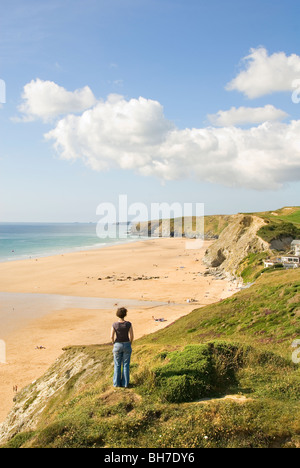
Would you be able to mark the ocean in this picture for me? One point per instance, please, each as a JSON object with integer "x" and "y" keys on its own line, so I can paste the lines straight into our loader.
{"x": 19, "y": 241}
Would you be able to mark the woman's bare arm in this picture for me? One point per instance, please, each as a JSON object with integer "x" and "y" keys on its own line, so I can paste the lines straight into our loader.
{"x": 112, "y": 335}
{"x": 131, "y": 335}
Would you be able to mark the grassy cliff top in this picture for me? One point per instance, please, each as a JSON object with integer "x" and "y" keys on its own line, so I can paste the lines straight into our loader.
{"x": 289, "y": 214}
{"x": 239, "y": 347}
{"x": 282, "y": 223}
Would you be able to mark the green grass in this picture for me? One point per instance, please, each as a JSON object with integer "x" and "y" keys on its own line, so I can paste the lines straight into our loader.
{"x": 238, "y": 346}
{"x": 288, "y": 214}
{"x": 197, "y": 371}
{"x": 252, "y": 266}
{"x": 282, "y": 223}
{"x": 268, "y": 310}
{"x": 293, "y": 218}
{"x": 277, "y": 230}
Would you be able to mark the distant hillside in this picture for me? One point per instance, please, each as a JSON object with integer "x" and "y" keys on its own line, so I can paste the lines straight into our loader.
{"x": 251, "y": 237}
{"x": 221, "y": 376}
{"x": 289, "y": 214}
{"x": 242, "y": 241}
{"x": 187, "y": 226}
{"x": 279, "y": 228}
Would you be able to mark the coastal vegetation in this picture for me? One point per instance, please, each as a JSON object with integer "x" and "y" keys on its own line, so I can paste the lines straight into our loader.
{"x": 283, "y": 223}
{"x": 211, "y": 227}
{"x": 289, "y": 214}
{"x": 252, "y": 266}
{"x": 278, "y": 230}
{"x": 222, "y": 376}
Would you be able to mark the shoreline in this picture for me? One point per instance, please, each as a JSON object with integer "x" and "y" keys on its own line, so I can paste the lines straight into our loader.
{"x": 153, "y": 271}
{"x": 27, "y": 307}
{"x": 66, "y": 251}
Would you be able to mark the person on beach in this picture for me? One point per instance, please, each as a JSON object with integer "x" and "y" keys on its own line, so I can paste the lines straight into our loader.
{"x": 158, "y": 319}
{"x": 122, "y": 338}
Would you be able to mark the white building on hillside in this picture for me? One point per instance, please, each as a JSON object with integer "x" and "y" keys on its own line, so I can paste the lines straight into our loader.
{"x": 290, "y": 261}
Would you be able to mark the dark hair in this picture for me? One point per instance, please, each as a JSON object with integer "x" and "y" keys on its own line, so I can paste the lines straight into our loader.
{"x": 122, "y": 312}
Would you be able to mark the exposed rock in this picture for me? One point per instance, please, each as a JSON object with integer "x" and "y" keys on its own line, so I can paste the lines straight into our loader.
{"x": 32, "y": 400}
{"x": 235, "y": 243}
{"x": 219, "y": 259}
{"x": 281, "y": 244}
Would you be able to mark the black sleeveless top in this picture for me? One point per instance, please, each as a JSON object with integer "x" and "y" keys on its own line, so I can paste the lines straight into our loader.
{"x": 122, "y": 329}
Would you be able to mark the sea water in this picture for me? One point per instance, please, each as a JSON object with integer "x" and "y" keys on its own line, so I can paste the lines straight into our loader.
{"x": 20, "y": 241}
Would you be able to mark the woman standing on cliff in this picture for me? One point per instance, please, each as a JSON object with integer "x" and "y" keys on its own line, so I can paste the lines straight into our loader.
{"x": 122, "y": 338}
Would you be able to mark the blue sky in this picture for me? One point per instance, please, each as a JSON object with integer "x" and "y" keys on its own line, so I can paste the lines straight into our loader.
{"x": 168, "y": 67}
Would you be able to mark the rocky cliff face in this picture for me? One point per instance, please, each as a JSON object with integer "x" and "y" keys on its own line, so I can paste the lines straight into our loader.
{"x": 208, "y": 227}
{"x": 168, "y": 228}
{"x": 73, "y": 366}
{"x": 238, "y": 240}
{"x": 282, "y": 244}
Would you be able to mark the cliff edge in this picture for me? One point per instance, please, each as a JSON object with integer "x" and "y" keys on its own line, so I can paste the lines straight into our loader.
{"x": 236, "y": 241}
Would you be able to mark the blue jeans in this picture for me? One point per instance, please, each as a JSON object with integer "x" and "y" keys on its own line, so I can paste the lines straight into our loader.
{"x": 122, "y": 354}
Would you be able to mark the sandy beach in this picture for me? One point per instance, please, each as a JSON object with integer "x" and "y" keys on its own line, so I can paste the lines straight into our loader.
{"x": 156, "y": 277}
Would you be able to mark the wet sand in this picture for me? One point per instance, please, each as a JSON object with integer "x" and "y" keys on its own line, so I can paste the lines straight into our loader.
{"x": 17, "y": 309}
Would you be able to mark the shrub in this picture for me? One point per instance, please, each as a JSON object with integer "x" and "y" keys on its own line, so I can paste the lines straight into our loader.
{"x": 198, "y": 371}
{"x": 278, "y": 230}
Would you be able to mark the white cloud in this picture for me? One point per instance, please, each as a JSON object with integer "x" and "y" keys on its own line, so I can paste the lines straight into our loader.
{"x": 114, "y": 133}
{"x": 135, "y": 135}
{"x": 266, "y": 74}
{"x": 46, "y": 100}
{"x": 247, "y": 115}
